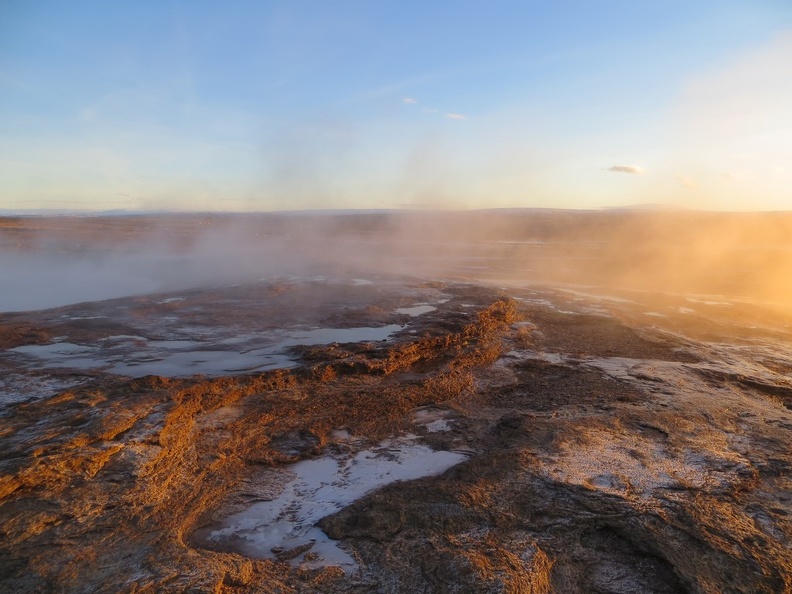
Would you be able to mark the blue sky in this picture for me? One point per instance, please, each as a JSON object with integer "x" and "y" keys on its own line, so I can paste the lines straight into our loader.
{"x": 195, "y": 105}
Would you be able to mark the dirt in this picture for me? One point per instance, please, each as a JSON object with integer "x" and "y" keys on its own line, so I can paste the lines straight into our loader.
{"x": 609, "y": 451}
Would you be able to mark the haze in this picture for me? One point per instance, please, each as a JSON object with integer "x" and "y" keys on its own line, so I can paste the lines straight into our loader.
{"x": 268, "y": 106}
{"x": 48, "y": 262}
{"x": 261, "y": 259}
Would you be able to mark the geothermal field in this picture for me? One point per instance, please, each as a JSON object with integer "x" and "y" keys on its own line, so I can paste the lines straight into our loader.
{"x": 526, "y": 401}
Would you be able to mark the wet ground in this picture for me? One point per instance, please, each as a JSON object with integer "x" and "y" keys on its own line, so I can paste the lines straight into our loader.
{"x": 384, "y": 434}
{"x": 201, "y": 332}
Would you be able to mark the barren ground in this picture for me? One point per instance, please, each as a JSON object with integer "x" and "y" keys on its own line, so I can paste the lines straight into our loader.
{"x": 574, "y": 440}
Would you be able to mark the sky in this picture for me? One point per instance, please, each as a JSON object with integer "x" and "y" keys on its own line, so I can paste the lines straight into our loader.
{"x": 310, "y": 104}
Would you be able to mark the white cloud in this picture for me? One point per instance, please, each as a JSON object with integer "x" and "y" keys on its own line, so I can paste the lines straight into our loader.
{"x": 455, "y": 116}
{"x": 409, "y": 100}
{"x": 635, "y": 169}
{"x": 430, "y": 110}
{"x": 686, "y": 181}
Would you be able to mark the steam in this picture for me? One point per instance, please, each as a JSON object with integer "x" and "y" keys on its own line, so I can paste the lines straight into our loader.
{"x": 72, "y": 259}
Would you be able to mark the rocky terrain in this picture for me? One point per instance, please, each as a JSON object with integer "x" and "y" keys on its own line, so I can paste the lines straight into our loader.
{"x": 605, "y": 443}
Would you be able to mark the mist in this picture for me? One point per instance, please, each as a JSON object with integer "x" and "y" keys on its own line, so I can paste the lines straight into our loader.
{"x": 56, "y": 261}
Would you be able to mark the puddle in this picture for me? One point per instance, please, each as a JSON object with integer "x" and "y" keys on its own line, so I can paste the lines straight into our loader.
{"x": 210, "y": 363}
{"x": 66, "y": 349}
{"x": 330, "y": 335}
{"x": 286, "y": 525}
{"x": 61, "y": 355}
{"x": 136, "y": 356}
{"x": 416, "y": 310}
